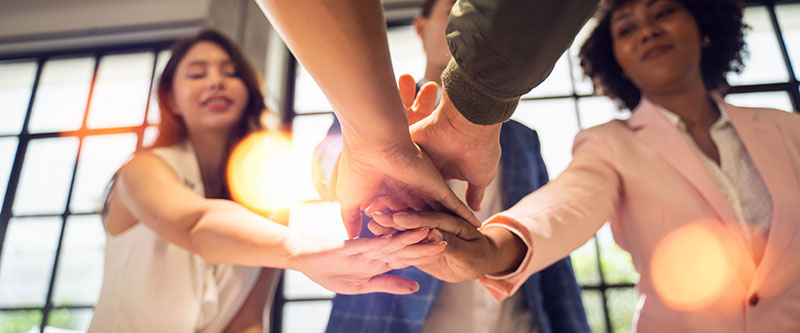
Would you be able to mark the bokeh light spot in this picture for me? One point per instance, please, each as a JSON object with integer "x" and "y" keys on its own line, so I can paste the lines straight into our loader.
{"x": 690, "y": 268}
{"x": 258, "y": 173}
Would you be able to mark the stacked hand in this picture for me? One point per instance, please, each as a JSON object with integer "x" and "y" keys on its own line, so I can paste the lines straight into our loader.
{"x": 366, "y": 260}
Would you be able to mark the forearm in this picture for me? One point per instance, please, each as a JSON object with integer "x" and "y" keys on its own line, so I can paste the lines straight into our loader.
{"x": 343, "y": 45}
{"x": 228, "y": 233}
{"x": 504, "y": 48}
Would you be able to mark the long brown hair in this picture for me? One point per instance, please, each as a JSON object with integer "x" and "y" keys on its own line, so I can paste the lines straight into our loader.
{"x": 172, "y": 129}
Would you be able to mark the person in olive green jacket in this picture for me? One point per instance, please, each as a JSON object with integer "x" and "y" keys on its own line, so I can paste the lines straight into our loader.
{"x": 501, "y": 48}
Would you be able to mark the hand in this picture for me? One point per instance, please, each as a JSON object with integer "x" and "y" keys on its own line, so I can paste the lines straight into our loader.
{"x": 400, "y": 175}
{"x": 470, "y": 253}
{"x": 357, "y": 266}
{"x": 460, "y": 149}
{"x": 419, "y": 105}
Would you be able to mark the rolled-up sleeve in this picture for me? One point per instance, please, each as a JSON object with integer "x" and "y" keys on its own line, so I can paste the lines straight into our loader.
{"x": 562, "y": 215}
{"x": 504, "y": 48}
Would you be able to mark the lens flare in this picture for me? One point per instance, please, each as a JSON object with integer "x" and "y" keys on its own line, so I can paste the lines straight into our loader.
{"x": 258, "y": 172}
{"x": 690, "y": 268}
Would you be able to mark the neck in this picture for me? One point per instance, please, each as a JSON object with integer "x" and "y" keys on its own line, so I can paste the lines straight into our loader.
{"x": 433, "y": 72}
{"x": 690, "y": 102}
{"x": 211, "y": 150}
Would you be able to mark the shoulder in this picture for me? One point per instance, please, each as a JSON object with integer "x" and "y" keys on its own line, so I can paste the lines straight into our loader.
{"x": 144, "y": 165}
{"x": 783, "y": 119}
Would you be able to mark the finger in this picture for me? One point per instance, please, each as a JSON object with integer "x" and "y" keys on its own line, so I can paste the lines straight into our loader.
{"x": 385, "y": 219}
{"x": 457, "y": 207}
{"x": 417, "y": 251}
{"x": 391, "y": 284}
{"x": 436, "y": 220}
{"x": 351, "y": 216}
{"x": 408, "y": 88}
{"x": 426, "y": 100}
{"x": 378, "y": 230}
{"x": 384, "y": 245}
{"x": 475, "y": 195}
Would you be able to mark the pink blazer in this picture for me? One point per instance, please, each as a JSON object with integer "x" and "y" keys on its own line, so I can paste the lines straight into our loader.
{"x": 645, "y": 176}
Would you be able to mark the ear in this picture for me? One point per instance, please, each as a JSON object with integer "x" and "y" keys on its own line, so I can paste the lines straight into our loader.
{"x": 419, "y": 27}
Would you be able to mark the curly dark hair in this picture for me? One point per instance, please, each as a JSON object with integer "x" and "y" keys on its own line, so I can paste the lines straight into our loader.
{"x": 719, "y": 20}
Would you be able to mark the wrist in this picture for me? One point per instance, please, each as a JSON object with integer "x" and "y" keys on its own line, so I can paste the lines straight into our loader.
{"x": 507, "y": 248}
{"x": 447, "y": 117}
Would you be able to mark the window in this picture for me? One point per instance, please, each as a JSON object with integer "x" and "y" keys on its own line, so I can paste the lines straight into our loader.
{"x": 70, "y": 123}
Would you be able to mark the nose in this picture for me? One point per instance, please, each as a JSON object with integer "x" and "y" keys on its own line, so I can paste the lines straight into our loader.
{"x": 215, "y": 80}
{"x": 649, "y": 31}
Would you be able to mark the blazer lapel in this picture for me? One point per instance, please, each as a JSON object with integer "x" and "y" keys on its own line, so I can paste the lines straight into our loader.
{"x": 767, "y": 149}
{"x": 672, "y": 146}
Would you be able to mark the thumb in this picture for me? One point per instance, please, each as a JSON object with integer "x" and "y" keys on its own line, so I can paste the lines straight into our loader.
{"x": 351, "y": 216}
{"x": 475, "y": 196}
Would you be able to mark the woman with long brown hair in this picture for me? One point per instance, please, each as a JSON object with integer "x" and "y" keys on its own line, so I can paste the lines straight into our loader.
{"x": 180, "y": 255}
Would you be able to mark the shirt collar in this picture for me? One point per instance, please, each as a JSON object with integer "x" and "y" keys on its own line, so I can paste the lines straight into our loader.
{"x": 676, "y": 120}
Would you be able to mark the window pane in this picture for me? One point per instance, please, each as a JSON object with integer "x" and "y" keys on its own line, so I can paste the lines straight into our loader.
{"x": 62, "y": 95}
{"x": 584, "y": 263}
{"x": 405, "y": 48}
{"x": 46, "y": 174}
{"x": 308, "y": 97}
{"x": 621, "y": 307}
{"x": 616, "y": 263}
{"x": 583, "y": 85}
{"x": 307, "y": 133}
{"x": 303, "y": 317}
{"x": 150, "y": 135}
{"x": 19, "y": 321}
{"x": 153, "y": 113}
{"x": 27, "y": 260}
{"x": 599, "y": 110}
{"x": 120, "y": 93}
{"x": 8, "y": 149}
{"x": 556, "y": 122}
{"x": 101, "y": 156}
{"x": 775, "y": 99}
{"x": 77, "y": 320}
{"x": 595, "y": 313}
{"x": 765, "y": 63}
{"x": 80, "y": 269}
{"x": 321, "y": 220}
{"x": 557, "y": 84}
{"x": 16, "y": 84}
{"x": 790, "y": 28}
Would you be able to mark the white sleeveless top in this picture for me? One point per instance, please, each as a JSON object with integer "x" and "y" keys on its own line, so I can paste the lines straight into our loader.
{"x": 152, "y": 285}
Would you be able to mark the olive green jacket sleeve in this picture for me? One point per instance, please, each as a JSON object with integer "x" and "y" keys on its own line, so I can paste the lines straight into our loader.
{"x": 503, "y": 48}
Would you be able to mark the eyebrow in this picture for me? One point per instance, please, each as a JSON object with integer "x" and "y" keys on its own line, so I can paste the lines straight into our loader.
{"x": 629, "y": 14}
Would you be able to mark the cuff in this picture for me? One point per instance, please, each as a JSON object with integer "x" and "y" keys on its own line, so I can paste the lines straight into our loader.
{"x": 524, "y": 261}
{"x": 476, "y": 104}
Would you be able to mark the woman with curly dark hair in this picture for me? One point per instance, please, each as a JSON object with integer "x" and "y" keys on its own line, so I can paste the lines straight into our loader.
{"x": 703, "y": 194}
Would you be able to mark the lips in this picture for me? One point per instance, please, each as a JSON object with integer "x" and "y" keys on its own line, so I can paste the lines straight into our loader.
{"x": 217, "y": 103}
{"x": 656, "y": 52}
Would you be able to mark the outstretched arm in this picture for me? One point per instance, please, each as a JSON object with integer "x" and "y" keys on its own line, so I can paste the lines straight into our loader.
{"x": 222, "y": 231}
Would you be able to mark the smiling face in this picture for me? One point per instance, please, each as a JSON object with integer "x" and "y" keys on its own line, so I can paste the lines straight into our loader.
{"x": 208, "y": 92}
{"x": 657, "y": 44}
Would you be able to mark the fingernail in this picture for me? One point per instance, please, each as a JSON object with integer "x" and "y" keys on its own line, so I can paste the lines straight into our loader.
{"x": 443, "y": 243}
{"x": 377, "y": 213}
{"x": 436, "y": 235}
{"x": 415, "y": 288}
{"x": 388, "y": 236}
{"x": 426, "y": 229}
